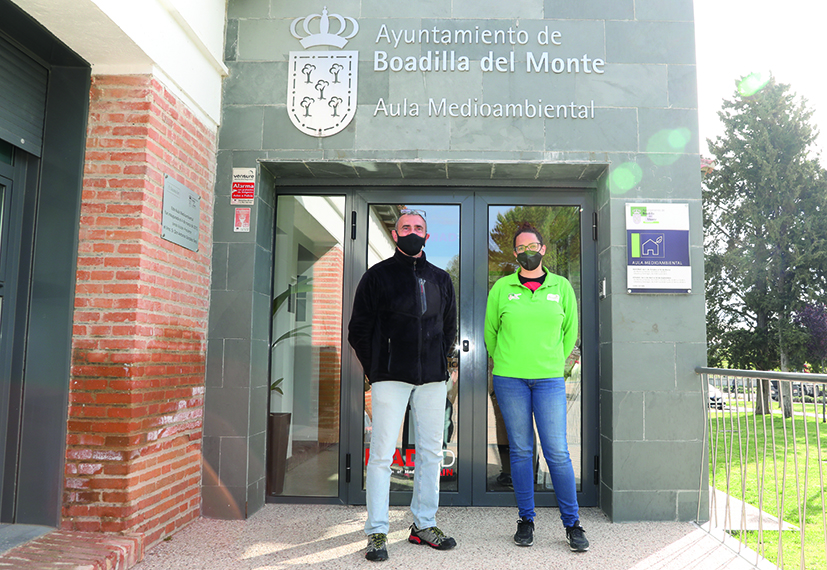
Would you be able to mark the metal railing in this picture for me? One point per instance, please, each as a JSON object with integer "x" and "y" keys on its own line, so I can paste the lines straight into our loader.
{"x": 766, "y": 464}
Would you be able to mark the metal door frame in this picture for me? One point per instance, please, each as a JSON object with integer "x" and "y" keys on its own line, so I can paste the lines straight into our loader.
{"x": 16, "y": 256}
{"x": 362, "y": 199}
{"x": 473, "y": 203}
{"x": 589, "y": 494}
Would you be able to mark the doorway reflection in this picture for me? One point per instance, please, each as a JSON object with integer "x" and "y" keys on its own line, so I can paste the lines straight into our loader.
{"x": 305, "y": 381}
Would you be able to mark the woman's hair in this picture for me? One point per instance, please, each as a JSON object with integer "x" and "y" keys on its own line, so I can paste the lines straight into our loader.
{"x": 527, "y": 228}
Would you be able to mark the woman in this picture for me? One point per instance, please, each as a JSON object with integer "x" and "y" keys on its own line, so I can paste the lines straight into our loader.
{"x": 530, "y": 330}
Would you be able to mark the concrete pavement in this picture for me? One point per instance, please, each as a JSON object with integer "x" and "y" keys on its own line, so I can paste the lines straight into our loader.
{"x": 331, "y": 537}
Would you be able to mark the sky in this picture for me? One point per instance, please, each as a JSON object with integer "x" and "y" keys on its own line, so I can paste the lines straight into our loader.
{"x": 734, "y": 38}
{"x": 443, "y": 228}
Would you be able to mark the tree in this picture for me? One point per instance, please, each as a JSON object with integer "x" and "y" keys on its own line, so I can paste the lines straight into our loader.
{"x": 306, "y": 103}
{"x": 320, "y": 86}
{"x": 453, "y": 271}
{"x": 308, "y": 70}
{"x": 813, "y": 319}
{"x": 765, "y": 235}
{"x": 334, "y": 104}
{"x": 335, "y": 69}
{"x": 560, "y": 228}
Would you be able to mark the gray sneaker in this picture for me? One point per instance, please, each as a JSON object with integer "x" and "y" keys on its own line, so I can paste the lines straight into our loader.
{"x": 377, "y": 547}
{"x": 431, "y": 536}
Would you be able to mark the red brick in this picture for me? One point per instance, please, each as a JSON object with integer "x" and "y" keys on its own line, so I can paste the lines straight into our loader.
{"x": 138, "y": 376}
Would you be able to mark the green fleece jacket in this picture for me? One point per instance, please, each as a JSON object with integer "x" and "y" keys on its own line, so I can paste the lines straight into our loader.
{"x": 530, "y": 335}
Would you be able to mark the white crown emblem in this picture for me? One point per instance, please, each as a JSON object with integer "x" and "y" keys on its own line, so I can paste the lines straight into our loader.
{"x": 324, "y": 37}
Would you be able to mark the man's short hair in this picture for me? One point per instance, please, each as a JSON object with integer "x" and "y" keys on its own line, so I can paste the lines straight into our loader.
{"x": 420, "y": 216}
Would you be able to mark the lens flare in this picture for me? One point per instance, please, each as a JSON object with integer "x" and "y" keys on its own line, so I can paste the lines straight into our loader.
{"x": 665, "y": 146}
{"x": 679, "y": 138}
{"x": 753, "y": 83}
{"x": 625, "y": 177}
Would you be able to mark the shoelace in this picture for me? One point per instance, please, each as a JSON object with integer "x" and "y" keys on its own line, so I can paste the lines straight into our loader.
{"x": 377, "y": 540}
{"x": 439, "y": 536}
{"x": 438, "y": 533}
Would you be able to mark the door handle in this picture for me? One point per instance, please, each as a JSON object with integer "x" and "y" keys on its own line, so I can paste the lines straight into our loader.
{"x": 466, "y": 346}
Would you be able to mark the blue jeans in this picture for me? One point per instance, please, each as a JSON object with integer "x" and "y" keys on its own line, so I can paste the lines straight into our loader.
{"x": 389, "y": 400}
{"x": 545, "y": 399}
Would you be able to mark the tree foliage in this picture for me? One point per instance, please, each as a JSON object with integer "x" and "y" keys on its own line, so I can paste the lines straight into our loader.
{"x": 765, "y": 231}
{"x": 813, "y": 319}
{"x": 560, "y": 228}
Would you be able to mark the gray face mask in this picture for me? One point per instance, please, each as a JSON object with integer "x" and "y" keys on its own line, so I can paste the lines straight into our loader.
{"x": 410, "y": 244}
{"x": 529, "y": 260}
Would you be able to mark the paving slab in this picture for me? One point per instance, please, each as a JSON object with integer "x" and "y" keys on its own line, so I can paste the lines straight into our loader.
{"x": 729, "y": 513}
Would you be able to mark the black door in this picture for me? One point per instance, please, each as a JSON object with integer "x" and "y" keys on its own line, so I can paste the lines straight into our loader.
{"x": 14, "y": 254}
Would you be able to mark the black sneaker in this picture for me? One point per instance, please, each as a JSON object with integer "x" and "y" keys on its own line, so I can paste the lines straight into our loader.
{"x": 377, "y": 547}
{"x": 525, "y": 532}
{"x": 576, "y": 537}
{"x": 431, "y": 536}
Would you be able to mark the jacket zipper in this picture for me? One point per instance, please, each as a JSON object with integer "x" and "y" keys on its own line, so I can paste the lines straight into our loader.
{"x": 419, "y": 325}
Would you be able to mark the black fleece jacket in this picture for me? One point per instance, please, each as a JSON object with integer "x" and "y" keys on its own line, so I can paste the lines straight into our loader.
{"x": 404, "y": 321}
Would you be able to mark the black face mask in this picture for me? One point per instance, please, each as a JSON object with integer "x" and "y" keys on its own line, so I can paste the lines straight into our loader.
{"x": 529, "y": 260}
{"x": 410, "y": 244}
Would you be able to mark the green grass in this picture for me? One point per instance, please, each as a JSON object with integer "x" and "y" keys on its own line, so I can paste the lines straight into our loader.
{"x": 749, "y": 466}
{"x": 809, "y": 408}
{"x": 740, "y": 399}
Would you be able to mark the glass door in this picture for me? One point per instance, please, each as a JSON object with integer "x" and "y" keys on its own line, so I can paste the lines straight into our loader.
{"x": 563, "y": 221}
{"x": 320, "y": 404}
{"x": 446, "y": 217}
{"x": 306, "y": 347}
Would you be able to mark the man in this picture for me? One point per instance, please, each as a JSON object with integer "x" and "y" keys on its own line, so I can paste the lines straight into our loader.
{"x": 403, "y": 328}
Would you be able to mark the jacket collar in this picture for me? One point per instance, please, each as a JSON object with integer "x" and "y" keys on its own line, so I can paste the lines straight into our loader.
{"x": 515, "y": 278}
{"x": 407, "y": 260}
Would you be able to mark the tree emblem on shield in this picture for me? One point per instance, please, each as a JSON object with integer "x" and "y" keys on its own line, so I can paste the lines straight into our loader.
{"x": 321, "y": 91}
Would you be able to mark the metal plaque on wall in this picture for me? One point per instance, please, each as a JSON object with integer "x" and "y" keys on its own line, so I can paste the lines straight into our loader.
{"x": 657, "y": 248}
{"x": 181, "y": 214}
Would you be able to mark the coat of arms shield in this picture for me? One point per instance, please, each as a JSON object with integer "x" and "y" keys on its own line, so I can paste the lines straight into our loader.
{"x": 321, "y": 94}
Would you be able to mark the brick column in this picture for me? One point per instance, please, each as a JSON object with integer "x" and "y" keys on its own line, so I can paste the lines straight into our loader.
{"x": 136, "y": 403}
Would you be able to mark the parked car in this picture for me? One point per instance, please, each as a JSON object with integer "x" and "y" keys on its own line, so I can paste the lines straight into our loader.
{"x": 796, "y": 390}
{"x": 716, "y": 398}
